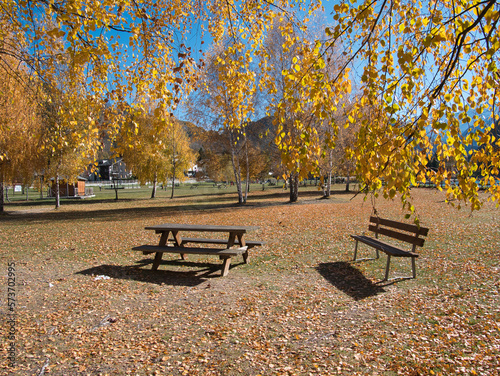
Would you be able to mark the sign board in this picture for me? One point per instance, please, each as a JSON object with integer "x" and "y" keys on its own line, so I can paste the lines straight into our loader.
{"x": 18, "y": 188}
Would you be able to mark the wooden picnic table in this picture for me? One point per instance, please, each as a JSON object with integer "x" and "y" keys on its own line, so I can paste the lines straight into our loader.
{"x": 176, "y": 244}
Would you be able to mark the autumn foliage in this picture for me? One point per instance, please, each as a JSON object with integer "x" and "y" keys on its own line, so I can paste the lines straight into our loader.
{"x": 416, "y": 82}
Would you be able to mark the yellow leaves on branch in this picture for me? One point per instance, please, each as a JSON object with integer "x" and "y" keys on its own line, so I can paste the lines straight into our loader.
{"x": 424, "y": 72}
{"x": 428, "y": 81}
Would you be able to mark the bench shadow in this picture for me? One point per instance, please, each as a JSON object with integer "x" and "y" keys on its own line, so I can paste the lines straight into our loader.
{"x": 349, "y": 280}
{"x": 136, "y": 272}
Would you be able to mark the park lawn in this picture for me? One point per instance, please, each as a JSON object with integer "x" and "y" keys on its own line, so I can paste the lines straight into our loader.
{"x": 300, "y": 307}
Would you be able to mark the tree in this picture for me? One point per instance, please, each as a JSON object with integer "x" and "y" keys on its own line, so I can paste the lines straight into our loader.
{"x": 335, "y": 137}
{"x": 70, "y": 134}
{"x": 220, "y": 102}
{"x": 179, "y": 152}
{"x": 20, "y": 130}
{"x": 259, "y": 163}
{"x": 296, "y": 133}
{"x": 430, "y": 70}
{"x": 213, "y": 159}
{"x": 345, "y": 164}
{"x": 333, "y": 156}
{"x": 156, "y": 63}
{"x": 143, "y": 143}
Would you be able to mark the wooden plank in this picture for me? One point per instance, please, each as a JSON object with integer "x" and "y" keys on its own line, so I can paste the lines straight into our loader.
{"x": 205, "y": 228}
{"x": 225, "y": 266}
{"x": 157, "y": 260}
{"x": 249, "y": 243}
{"x": 231, "y": 239}
{"x": 191, "y": 250}
{"x": 164, "y": 238}
{"x": 355, "y": 258}
{"x": 245, "y": 257}
{"x": 240, "y": 239}
{"x": 398, "y": 235}
{"x": 384, "y": 247}
{"x": 422, "y": 231}
{"x": 163, "y": 241}
{"x": 177, "y": 238}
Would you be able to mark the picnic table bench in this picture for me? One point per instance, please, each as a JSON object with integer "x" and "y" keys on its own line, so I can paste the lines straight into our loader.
{"x": 404, "y": 232}
{"x": 176, "y": 243}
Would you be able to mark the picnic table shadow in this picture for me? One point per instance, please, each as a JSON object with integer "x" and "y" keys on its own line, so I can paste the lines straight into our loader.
{"x": 136, "y": 272}
{"x": 349, "y": 280}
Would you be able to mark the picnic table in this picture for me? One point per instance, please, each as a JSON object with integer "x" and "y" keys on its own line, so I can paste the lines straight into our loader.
{"x": 171, "y": 241}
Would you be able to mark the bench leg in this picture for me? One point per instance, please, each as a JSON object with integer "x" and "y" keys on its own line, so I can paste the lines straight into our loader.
{"x": 179, "y": 243}
{"x": 355, "y": 258}
{"x": 245, "y": 257}
{"x": 387, "y": 267}
{"x": 157, "y": 260}
{"x": 163, "y": 242}
{"x": 225, "y": 266}
{"x": 413, "y": 269}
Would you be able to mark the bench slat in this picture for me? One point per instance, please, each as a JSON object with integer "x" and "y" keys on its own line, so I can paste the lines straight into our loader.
{"x": 207, "y": 228}
{"x": 248, "y": 243}
{"x": 384, "y": 247}
{"x": 400, "y": 226}
{"x": 397, "y": 235}
{"x": 191, "y": 250}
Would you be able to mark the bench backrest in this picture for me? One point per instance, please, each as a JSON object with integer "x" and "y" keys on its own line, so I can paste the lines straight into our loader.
{"x": 389, "y": 228}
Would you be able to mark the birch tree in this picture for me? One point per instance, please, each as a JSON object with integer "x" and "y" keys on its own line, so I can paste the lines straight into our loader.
{"x": 430, "y": 68}
{"x": 221, "y": 104}
{"x": 20, "y": 129}
{"x": 179, "y": 153}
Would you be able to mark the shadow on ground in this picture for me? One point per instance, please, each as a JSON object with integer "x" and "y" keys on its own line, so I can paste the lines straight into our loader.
{"x": 216, "y": 202}
{"x": 203, "y": 272}
{"x": 349, "y": 280}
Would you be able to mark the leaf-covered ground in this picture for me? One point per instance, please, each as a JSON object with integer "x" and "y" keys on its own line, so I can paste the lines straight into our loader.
{"x": 300, "y": 307}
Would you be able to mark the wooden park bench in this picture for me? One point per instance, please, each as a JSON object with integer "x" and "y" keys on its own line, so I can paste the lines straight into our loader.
{"x": 403, "y": 232}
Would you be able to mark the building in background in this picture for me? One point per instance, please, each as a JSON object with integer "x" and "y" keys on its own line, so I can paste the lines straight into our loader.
{"x": 109, "y": 169}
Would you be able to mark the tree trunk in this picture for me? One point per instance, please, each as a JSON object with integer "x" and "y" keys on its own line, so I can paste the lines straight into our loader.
{"x": 347, "y": 182}
{"x": 328, "y": 188}
{"x": 236, "y": 170}
{"x": 153, "y": 192}
{"x": 173, "y": 182}
{"x": 2, "y": 201}
{"x": 237, "y": 176}
{"x": 27, "y": 193}
{"x": 41, "y": 187}
{"x": 247, "y": 183}
{"x": 294, "y": 187}
{"x": 115, "y": 186}
{"x": 58, "y": 195}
